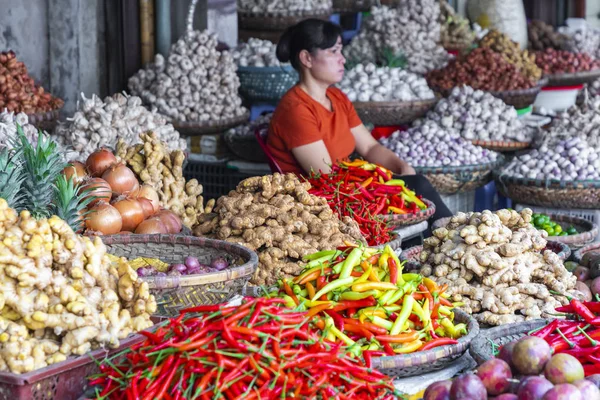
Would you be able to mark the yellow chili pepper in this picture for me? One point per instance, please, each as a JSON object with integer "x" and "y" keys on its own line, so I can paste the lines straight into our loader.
{"x": 363, "y": 287}
{"x": 374, "y": 276}
{"x": 395, "y": 297}
{"x": 360, "y": 296}
{"x": 355, "y": 163}
{"x": 409, "y": 347}
{"x": 366, "y": 183}
{"x": 431, "y": 285}
{"x": 395, "y": 210}
{"x": 383, "y": 260}
{"x": 338, "y": 283}
{"x": 381, "y": 180}
{"x": 420, "y": 312}
{"x": 384, "y": 323}
{"x": 311, "y": 290}
{"x": 395, "y": 182}
{"x": 411, "y": 277}
{"x": 458, "y": 303}
{"x": 407, "y": 307}
{"x": 369, "y": 167}
{"x": 363, "y": 315}
{"x": 443, "y": 310}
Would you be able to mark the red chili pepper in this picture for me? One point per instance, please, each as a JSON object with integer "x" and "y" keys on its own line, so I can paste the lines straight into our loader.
{"x": 547, "y": 330}
{"x": 438, "y": 342}
{"x": 584, "y": 312}
{"x": 346, "y": 304}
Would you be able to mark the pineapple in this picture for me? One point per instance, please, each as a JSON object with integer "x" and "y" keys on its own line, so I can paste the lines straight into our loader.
{"x": 11, "y": 176}
{"x": 42, "y": 165}
{"x": 70, "y": 202}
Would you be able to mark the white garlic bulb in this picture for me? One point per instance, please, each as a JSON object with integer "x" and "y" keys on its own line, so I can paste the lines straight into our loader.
{"x": 256, "y": 53}
{"x": 286, "y": 7}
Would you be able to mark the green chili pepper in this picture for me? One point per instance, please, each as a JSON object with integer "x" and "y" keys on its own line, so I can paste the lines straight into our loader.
{"x": 360, "y": 296}
{"x": 352, "y": 261}
{"x": 334, "y": 285}
{"x": 407, "y": 307}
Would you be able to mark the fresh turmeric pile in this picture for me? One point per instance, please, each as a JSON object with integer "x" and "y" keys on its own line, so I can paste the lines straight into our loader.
{"x": 60, "y": 295}
{"x": 495, "y": 263}
{"x": 275, "y": 216}
{"x": 161, "y": 168}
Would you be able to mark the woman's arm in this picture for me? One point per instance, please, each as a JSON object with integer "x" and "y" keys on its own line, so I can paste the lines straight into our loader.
{"x": 313, "y": 156}
{"x": 369, "y": 148}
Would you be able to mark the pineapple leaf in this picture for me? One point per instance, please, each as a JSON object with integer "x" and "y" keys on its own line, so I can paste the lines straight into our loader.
{"x": 70, "y": 202}
{"x": 11, "y": 176}
{"x": 42, "y": 165}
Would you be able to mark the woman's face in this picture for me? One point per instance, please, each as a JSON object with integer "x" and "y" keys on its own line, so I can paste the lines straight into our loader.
{"x": 328, "y": 65}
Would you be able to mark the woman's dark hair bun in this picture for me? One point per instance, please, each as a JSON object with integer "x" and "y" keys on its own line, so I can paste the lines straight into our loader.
{"x": 310, "y": 35}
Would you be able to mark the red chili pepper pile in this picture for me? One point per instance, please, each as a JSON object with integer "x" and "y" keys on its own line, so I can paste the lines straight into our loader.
{"x": 259, "y": 350}
{"x": 363, "y": 191}
{"x": 578, "y": 337}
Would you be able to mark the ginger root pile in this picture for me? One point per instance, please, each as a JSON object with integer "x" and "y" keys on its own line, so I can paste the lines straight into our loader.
{"x": 496, "y": 264}
{"x": 60, "y": 295}
{"x": 275, "y": 216}
{"x": 162, "y": 169}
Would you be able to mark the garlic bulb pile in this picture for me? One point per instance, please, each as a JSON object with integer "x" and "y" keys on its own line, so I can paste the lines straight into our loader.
{"x": 286, "y": 7}
{"x": 567, "y": 159}
{"x": 256, "y": 53}
{"x": 585, "y": 40}
{"x": 578, "y": 121}
{"x": 411, "y": 29}
{"x": 431, "y": 145}
{"x": 247, "y": 130}
{"x": 8, "y": 127}
{"x": 366, "y": 82}
{"x": 195, "y": 83}
{"x": 98, "y": 123}
{"x": 455, "y": 30}
{"x": 594, "y": 88}
{"x": 475, "y": 114}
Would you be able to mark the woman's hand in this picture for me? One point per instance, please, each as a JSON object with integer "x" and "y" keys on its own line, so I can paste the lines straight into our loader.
{"x": 406, "y": 169}
{"x": 370, "y": 149}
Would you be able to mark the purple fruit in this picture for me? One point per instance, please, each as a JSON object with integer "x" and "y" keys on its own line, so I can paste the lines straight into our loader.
{"x": 533, "y": 388}
{"x": 494, "y": 375}
{"x": 181, "y": 268}
{"x": 589, "y": 391}
{"x": 563, "y": 391}
{"x": 530, "y": 355}
{"x": 468, "y": 386}
{"x": 507, "y": 396}
{"x": 438, "y": 391}
{"x": 563, "y": 368}
{"x": 595, "y": 379}
{"x": 506, "y": 353}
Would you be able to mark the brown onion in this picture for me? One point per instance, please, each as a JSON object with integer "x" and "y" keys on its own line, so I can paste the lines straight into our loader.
{"x": 131, "y": 212}
{"x": 147, "y": 206}
{"x": 121, "y": 179}
{"x": 171, "y": 220}
{"x": 98, "y": 188}
{"x": 151, "y": 226}
{"x": 105, "y": 219}
{"x": 149, "y": 193}
{"x": 99, "y": 161}
{"x": 76, "y": 170}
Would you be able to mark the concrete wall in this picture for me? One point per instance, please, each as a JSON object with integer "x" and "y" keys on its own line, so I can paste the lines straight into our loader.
{"x": 592, "y": 12}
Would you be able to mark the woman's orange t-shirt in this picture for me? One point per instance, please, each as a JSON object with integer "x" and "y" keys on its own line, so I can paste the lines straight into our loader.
{"x": 299, "y": 120}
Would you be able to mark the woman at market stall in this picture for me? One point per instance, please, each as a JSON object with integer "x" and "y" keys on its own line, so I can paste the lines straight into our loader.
{"x": 315, "y": 124}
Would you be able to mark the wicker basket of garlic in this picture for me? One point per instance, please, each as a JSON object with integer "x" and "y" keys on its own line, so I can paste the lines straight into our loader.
{"x": 242, "y": 142}
{"x": 387, "y": 96}
{"x": 277, "y": 15}
{"x": 262, "y": 77}
{"x": 353, "y": 5}
{"x": 196, "y": 87}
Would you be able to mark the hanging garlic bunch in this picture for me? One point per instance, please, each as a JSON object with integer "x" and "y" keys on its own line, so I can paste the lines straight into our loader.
{"x": 412, "y": 29}
{"x": 256, "y": 53}
{"x": 366, "y": 82}
{"x": 475, "y": 114}
{"x": 287, "y": 7}
{"x": 98, "y": 123}
{"x": 195, "y": 83}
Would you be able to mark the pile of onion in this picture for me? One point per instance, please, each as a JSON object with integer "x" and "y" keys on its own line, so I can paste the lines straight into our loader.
{"x": 120, "y": 204}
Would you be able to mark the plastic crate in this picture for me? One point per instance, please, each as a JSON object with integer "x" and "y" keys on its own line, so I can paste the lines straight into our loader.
{"x": 216, "y": 178}
{"x": 590, "y": 215}
{"x": 464, "y": 202}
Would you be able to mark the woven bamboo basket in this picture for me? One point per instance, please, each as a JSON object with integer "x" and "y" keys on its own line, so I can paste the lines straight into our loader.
{"x": 481, "y": 347}
{"x": 501, "y": 146}
{"x": 422, "y": 362}
{"x": 572, "y": 79}
{"x": 465, "y": 178}
{"x": 275, "y": 21}
{"x": 391, "y": 113}
{"x": 350, "y": 6}
{"x": 578, "y": 255}
{"x": 521, "y": 98}
{"x": 587, "y": 230}
{"x": 195, "y": 128}
{"x": 174, "y": 293}
{"x": 266, "y": 84}
{"x": 397, "y": 220}
{"x": 549, "y": 193}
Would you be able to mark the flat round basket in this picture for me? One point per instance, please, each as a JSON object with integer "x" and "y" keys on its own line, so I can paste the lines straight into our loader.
{"x": 422, "y": 362}
{"x": 521, "y": 98}
{"x": 174, "y": 293}
{"x": 501, "y": 146}
{"x": 572, "y": 79}
{"x": 244, "y": 146}
{"x": 578, "y": 255}
{"x": 266, "y": 84}
{"x": 481, "y": 347}
{"x": 275, "y": 21}
{"x": 194, "y": 128}
{"x": 587, "y": 230}
{"x": 353, "y": 5}
{"x": 465, "y": 178}
{"x": 396, "y": 220}
{"x": 45, "y": 121}
{"x": 390, "y": 113}
{"x": 549, "y": 193}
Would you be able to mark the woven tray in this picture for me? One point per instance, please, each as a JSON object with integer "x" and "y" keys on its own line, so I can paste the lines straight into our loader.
{"x": 397, "y": 220}
{"x": 501, "y": 146}
{"x": 391, "y": 113}
{"x": 266, "y": 84}
{"x": 465, "y": 178}
{"x": 578, "y": 255}
{"x": 481, "y": 347}
{"x": 177, "y": 292}
{"x": 573, "y": 79}
{"x": 521, "y": 98}
{"x": 245, "y": 147}
{"x": 353, "y": 5}
{"x": 274, "y": 21}
{"x": 194, "y": 128}
{"x": 422, "y": 362}
{"x": 588, "y": 231}
{"x": 549, "y": 193}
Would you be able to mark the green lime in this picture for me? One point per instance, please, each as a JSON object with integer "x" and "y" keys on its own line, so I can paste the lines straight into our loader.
{"x": 546, "y": 218}
{"x": 550, "y": 231}
{"x": 539, "y": 221}
{"x": 563, "y": 234}
{"x": 572, "y": 230}
{"x": 558, "y": 229}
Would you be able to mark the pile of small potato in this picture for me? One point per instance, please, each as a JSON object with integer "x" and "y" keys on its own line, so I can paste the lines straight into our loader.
{"x": 275, "y": 216}
{"x": 60, "y": 295}
{"x": 542, "y": 36}
{"x": 497, "y": 265}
